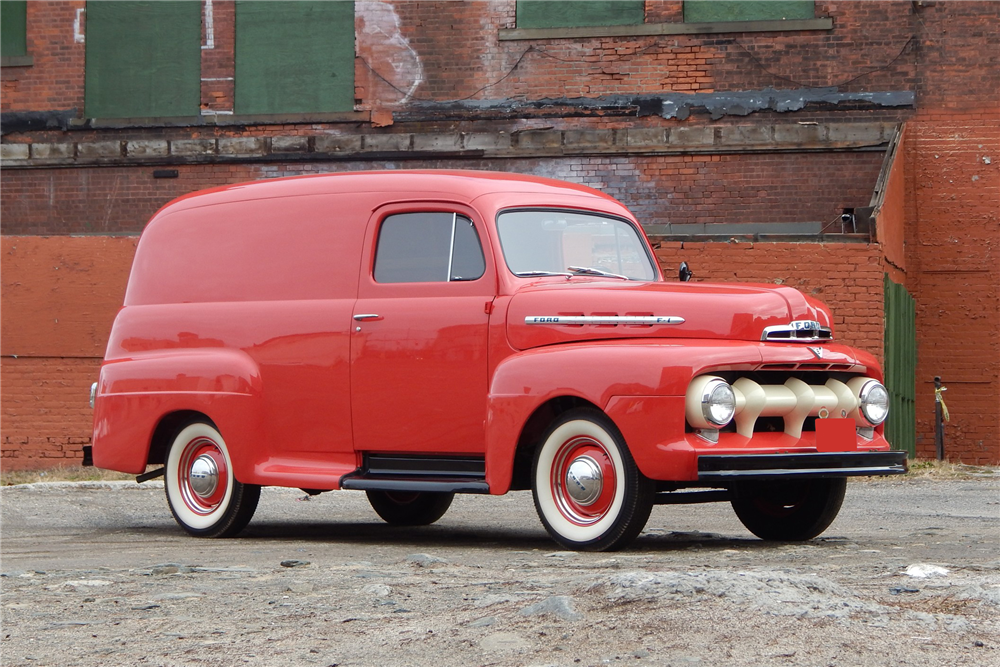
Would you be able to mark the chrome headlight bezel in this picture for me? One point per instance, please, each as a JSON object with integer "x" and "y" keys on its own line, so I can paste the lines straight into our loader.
{"x": 873, "y": 402}
{"x": 718, "y": 402}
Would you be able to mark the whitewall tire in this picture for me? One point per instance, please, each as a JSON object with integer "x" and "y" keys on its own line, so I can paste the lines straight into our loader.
{"x": 203, "y": 495}
{"x": 588, "y": 492}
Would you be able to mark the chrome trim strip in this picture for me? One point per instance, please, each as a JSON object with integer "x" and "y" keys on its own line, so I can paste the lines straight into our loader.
{"x": 614, "y": 320}
{"x": 799, "y": 331}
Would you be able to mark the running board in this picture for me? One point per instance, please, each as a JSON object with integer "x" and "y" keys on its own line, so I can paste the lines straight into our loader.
{"x": 413, "y": 484}
{"x": 435, "y": 474}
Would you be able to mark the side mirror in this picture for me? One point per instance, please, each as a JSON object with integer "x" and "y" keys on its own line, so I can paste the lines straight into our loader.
{"x": 685, "y": 274}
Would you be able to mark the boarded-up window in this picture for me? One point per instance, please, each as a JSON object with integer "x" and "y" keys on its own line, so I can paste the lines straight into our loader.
{"x": 294, "y": 57}
{"x": 143, "y": 59}
{"x": 13, "y": 28}
{"x": 714, "y": 11}
{"x": 578, "y": 14}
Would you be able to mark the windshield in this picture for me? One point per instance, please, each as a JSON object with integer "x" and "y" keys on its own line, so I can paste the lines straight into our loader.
{"x": 572, "y": 243}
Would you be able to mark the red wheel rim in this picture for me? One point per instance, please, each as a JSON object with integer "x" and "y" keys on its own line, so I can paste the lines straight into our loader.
{"x": 202, "y": 475}
{"x": 583, "y": 499}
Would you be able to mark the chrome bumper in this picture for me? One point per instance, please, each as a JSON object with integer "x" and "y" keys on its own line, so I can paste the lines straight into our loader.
{"x": 783, "y": 466}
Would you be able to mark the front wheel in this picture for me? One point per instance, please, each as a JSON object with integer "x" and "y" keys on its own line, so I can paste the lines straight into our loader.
{"x": 203, "y": 495}
{"x": 410, "y": 508}
{"x": 789, "y": 511}
{"x": 588, "y": 491}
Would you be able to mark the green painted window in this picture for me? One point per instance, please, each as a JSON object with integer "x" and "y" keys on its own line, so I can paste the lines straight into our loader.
{"x": 716, "y": 11}
{"x": 578, "y": 14}
{"x": 143, "y": 59}
{"x": 13, "y": 28}
{"x": 294, "y": 57}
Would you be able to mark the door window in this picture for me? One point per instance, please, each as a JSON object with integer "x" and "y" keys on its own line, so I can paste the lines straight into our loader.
{"x": 428, "y": 247}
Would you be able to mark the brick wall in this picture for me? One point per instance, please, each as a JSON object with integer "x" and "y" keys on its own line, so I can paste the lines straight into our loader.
{"x": 55, "y": 81}
{"x": 412, "y": 57}
{"x": 953, "y": 267}
{"x": 46, "y": 416}
{"x": 48, "y": 364}
{"x": 847, "y": 277}
{"x": 60, "y": 296}
{"x": 442, "y": 50}
{"x": 760, "y": 188}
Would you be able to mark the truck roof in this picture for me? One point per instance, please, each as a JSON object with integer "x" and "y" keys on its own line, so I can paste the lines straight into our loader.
{"x": 465, "y": 184}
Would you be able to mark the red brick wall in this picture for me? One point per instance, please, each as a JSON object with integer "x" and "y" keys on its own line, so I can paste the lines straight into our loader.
{"x": 954, "y": 274}
{"x": 450, "y": 49}
{"x": 218, "y": 62}
{"x": 55, "y": 80}
{"x": 47, "y": 365}
{"x": 59, "y": 298}
{"x": 46, "y": 414}
{"x": 676, "y": 189}
{"x": 944, "y": 52}
{"x": 847, "y": 277}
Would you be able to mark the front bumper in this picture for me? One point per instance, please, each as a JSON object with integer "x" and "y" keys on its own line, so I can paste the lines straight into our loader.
{"x": 732, "y": 467}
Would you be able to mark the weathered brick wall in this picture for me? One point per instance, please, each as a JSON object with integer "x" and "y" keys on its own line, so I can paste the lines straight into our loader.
{"x": 761, "y": 188}
{"x": 414, "y": 56}
{"x": 953, "y": 226}
{"x": 409, "y": 52}
{"x": 47, "y": 365}
{"x": 847, "y": 277}
{"x": 953, "y": 267}
{"x": 46, "y": 416}
{"x": 55, "y": 81}
{"x": 59, "y": 298}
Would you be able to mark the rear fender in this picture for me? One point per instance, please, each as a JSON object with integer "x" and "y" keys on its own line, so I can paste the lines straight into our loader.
{"x": 134, "y": 395}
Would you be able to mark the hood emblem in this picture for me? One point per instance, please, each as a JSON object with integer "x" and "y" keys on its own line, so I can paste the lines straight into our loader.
{"x": 818, "y": 351}
{"x": 577, "y": 320}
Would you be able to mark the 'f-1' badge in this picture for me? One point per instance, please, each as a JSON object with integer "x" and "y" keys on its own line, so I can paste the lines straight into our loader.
{"x": 818, "y": 351}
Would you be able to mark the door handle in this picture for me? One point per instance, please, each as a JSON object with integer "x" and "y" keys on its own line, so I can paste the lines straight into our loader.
{"x": 367, "y": 317}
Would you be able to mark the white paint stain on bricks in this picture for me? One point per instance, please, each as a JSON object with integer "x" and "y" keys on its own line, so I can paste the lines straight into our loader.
{"x": 388, "y": 51}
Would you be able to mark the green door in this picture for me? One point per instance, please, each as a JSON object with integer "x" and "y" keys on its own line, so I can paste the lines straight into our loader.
{"x": 900, "y": 366}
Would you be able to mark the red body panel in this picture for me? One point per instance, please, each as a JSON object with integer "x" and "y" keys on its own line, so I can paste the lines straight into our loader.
{"x": 256, "y": 306}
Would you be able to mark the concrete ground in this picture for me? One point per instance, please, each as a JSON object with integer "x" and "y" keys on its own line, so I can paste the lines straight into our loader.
{"x": 99, "y": 574}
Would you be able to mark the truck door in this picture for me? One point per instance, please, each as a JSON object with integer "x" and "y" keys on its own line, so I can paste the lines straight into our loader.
{"x": 419, "y": 336}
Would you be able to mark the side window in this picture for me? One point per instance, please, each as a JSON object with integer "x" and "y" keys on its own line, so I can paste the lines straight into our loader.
{"x": 428, "y": 247}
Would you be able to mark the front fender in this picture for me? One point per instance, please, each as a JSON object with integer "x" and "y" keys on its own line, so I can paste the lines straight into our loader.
{"x": 136, "y": 393}
{"x": 597, "y": 373}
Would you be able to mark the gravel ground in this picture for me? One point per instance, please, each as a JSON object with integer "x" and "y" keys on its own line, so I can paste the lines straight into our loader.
{"x": 98, "y": 574}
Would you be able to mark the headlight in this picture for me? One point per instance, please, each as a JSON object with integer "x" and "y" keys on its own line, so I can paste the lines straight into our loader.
{"x": 874, "y": 402}
{"x": 710, "y": 403}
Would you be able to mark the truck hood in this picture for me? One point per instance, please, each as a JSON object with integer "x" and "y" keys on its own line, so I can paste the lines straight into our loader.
{"x": 696, "y": 310}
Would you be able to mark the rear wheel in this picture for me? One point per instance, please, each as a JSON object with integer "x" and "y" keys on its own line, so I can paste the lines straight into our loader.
{"x": 789, "y": 511}
{"x": 203, "y": 495}
{"x": 410, "y": 508}
{"x": 588, "y": 491}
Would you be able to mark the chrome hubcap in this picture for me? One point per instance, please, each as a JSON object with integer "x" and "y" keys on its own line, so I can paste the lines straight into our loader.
{"x": 204, "y": 477}
{"x": 584, "y": 480}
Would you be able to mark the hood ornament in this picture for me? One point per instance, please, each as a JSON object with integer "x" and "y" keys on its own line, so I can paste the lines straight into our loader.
{"x": 818, "y": 351}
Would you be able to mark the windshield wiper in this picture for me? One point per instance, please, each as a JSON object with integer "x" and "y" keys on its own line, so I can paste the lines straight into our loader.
{"x": 533, "y": 274}
{"x": 591, "y": 271}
